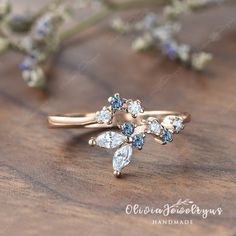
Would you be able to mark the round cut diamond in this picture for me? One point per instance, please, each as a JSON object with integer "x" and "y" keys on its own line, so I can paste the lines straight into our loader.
{"x": 104, "y": 116}
{"x": 166, "y": 136}
{"x": 127, "y": 129}
{"x": 178, "y": 125}
{"x": 138, "y": 141}
{"x": 154, "y": 127}
{"x": 117, "y": 103}
{"x": 134, "y": 108}
{"x": 173, "y": 123}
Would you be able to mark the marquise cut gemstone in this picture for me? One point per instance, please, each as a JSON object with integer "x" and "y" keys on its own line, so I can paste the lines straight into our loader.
{"x": 122, "y": 157}
{"x": 110, "y": 139}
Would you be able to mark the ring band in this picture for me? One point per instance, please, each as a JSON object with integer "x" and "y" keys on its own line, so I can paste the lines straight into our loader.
{"x": 134, "y": 123}
{"x": 88, "y": 120}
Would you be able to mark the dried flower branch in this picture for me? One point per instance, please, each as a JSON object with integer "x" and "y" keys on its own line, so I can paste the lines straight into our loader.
{"x": 40, "y": 40}
{"x": 159, "y": 31}
{"x": 37, "y": 35}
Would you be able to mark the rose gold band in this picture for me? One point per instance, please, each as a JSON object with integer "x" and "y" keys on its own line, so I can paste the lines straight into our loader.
{"x": 88, "y": 120}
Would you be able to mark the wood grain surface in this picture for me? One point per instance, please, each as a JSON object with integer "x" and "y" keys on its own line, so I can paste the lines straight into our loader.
{"x": 53, "y": 183}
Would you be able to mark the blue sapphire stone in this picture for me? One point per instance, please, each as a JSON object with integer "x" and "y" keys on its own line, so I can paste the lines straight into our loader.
{"x": 166, "y": 136}
{"x": 117, "y": 103}
{"x": 138, "y": 141}
{"x": 127, "y": 129}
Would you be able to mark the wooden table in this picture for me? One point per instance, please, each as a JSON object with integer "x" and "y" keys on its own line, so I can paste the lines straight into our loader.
{"x": 53, "y": 183}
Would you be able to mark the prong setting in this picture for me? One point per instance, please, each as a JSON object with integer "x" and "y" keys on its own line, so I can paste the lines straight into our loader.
{"x": 110, "y": 99}
{"x": 92, "y": 141}
{"x": 117, "y": 173}
{"x": 129, "y": 139}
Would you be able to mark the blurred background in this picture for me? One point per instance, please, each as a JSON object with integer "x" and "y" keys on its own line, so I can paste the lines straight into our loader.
{"x": 70, "y": 56}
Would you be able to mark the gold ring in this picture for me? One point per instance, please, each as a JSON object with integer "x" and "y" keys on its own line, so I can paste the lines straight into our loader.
{"x": 133, "y": 122}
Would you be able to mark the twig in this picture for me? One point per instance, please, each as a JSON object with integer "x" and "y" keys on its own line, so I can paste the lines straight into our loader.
{"x": 109, "y": 8}
{"x": 46, "y": 8}
{"x": 138, "y": 4}
{"x": 85, "y": 24}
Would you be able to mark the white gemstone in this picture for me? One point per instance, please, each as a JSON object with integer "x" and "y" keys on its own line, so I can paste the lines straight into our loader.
{"x": 110, "y": 139}
{"x": 173, "y": 123}
{"x": 134, "y": 108}
{"x": 178, "y": 124}
{"x": 154, "y": 127}
{"x": 122, "y": 157}
{"x": 104, "y": 116}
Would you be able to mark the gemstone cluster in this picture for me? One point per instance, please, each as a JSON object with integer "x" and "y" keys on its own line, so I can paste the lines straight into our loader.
{"x": 117, "y": 103}
{"x": 131, "y": 135}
